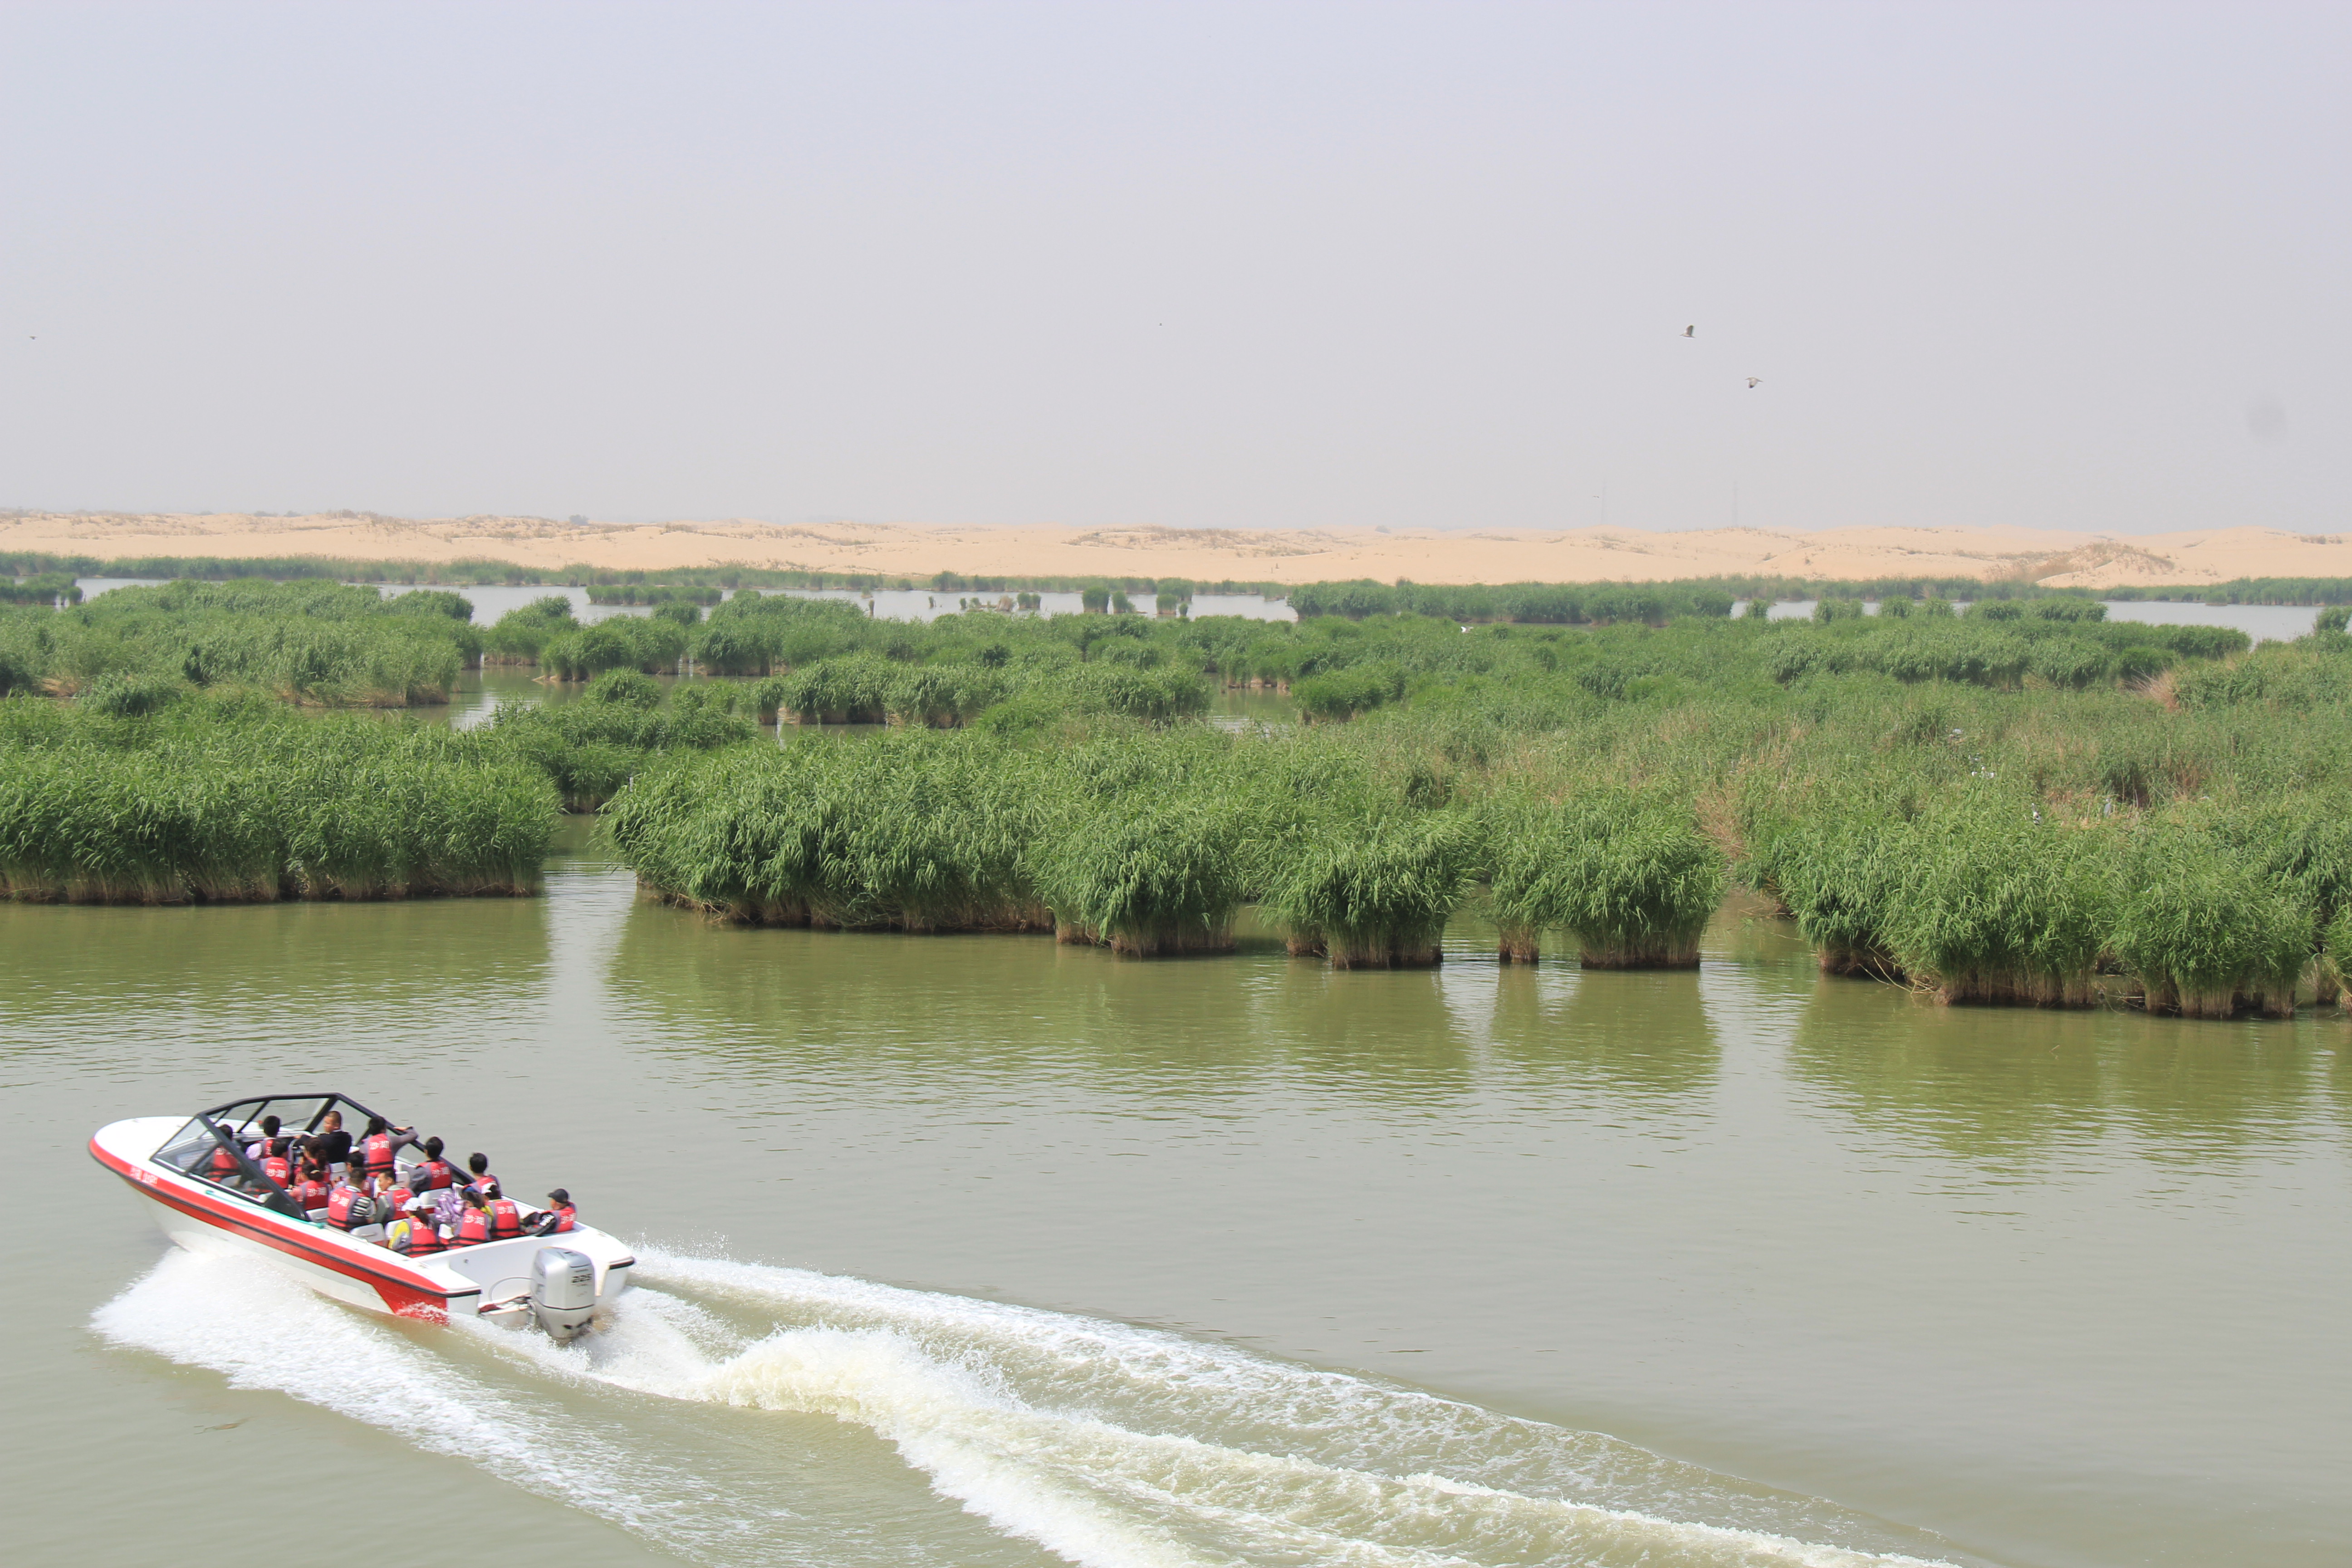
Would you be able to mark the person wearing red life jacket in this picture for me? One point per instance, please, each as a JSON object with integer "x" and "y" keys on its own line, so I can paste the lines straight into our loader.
{"x": 390, "y": 1198}
{"x": 380, "y": 1146}
{"x": 559, "y": 1204}
{"x": 348, "y": 1207}
{"x": 310, "y": 1190}
{"x": 415, "y": 1235}
{"x": 275, "y": 1164}
{"x": 223, "y": 1165}
{"x": 473, "y": 1221}
{"x": 480, "y": 1164}
{"x": 506, "y": 1215}
{"x": 261, "y": 1147}
{"x": 433, "y": 1174}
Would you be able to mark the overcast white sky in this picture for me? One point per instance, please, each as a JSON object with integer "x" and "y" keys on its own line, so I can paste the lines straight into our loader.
{"x": 1200, "y": 265}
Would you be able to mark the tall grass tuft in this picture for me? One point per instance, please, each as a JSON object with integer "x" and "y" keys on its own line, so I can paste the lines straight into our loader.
{"x": 1632, "y": 879}
{"x": 1372, "y": 893}
{"x": 2206, "y": 934}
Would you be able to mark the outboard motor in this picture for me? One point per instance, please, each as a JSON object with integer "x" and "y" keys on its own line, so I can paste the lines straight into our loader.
{"x": 562, "y": 1291}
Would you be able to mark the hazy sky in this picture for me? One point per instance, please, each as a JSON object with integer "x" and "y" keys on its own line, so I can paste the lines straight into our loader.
{"x": 1200, "y": 264}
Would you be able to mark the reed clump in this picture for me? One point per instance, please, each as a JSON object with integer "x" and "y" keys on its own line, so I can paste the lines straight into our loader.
{"x": 1371, "y": 894}
{"x": 2207, "y": 934}
{"x": 1631, "y": 879}
{"x": 1148, "y": 873}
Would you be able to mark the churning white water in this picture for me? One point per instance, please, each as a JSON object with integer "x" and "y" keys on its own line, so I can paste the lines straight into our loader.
{"x": 1107, "y": 1446}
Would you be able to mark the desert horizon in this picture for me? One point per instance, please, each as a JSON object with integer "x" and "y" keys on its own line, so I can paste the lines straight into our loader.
{"x": 2049, "y": 558}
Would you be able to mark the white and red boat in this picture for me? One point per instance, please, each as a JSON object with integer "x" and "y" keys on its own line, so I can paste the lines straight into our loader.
{"x": 210, "y": 1197}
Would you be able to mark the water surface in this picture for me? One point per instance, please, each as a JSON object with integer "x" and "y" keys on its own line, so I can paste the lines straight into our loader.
{"x": 985, "y": 1250}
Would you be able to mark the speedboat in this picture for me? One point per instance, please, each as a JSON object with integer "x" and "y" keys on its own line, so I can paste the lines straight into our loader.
{"x": 210, "y": 1197}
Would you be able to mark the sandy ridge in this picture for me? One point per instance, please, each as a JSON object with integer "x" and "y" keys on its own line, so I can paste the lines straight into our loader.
{"x": 1287, "y": 555}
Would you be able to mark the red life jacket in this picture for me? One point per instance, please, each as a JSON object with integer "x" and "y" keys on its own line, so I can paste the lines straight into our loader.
{"x": 376, "y": 1149}
{"x": 564, "y": 1214}
{"x": 278, "y": 1170}
{"x": 422, "y": 1238}
{"x": 483, "y": 1184}
{"x": 393, "y": 1201}
{"x": 311, "y": 1195}
{"x": 224, "y": 1163}
{"x": 505, "y": 1220}
{"x": 434, "y": 1175}
{"x": 345, "y": 1209}
{"x": 473, "y": 1225}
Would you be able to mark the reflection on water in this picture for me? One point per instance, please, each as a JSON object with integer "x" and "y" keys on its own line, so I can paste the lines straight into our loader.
{"x": 2005, "y": 1089}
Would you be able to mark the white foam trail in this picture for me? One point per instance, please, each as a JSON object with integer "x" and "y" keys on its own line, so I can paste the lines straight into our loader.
{"x": 261, "y": 1330}
{"x": 1107, "y": 1446}
{"x": 1119, "y": 1447}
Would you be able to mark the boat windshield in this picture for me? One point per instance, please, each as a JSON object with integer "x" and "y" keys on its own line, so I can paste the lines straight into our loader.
{"x": 216, "y": 1146}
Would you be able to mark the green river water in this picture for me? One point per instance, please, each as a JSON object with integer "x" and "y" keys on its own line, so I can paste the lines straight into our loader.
{"x": 985, "y": 1250}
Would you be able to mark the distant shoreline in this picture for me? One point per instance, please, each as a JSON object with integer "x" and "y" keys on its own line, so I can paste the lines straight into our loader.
{"x": 524, "y": 549}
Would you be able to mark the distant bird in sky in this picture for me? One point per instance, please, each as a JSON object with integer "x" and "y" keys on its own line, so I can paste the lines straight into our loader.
{"x": 1755, "y": 380}
{"x": 1690, "y": 331}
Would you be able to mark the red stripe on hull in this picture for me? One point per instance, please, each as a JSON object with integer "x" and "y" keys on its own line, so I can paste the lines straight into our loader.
{"x": 406, "y": 1297}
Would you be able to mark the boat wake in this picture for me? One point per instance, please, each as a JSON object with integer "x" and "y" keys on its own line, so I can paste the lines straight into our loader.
{"x": 1104, "y": 1445}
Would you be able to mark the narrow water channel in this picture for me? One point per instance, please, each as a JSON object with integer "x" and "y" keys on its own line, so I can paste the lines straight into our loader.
{"x": 984, "y": 1250}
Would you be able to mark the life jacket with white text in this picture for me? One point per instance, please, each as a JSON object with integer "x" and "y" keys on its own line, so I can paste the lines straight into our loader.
{"x": 505, "y": 1220}
{"x": 377, "y": 1151}
{"x": 473, "y": 1225}
{"x": 278, "y": 1169}
{"x": 348, "y": 1209}
{"x": 434, "y": 1175}
{"x": 564, "y": 1215}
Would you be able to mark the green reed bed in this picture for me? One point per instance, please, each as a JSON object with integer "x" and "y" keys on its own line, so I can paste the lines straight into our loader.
{"x": 317, "y": 644}
{"x": 1372, "y": 893}
{"x": 227, "y": 802}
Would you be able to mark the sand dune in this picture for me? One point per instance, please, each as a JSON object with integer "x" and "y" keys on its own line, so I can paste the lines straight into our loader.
{"x": 1304, "y": 555}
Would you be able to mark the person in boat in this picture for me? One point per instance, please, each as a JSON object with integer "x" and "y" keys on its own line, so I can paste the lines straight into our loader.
{"x": 506, "y": 1215}
{"x": 350, "y": 1207}
{"x": 391, "y": 1196}
{"x": 414, "y": 1233}
{"x": 559, "y": 1205}
{"x": 309, "y": 1189}
{"x": 330, "y": 1146}
{"x": 274, "y": 1164}
{"x": 258, "y": 1149}
{"x": 433, "y": 1174}
{"x": 473, "y": 1221}
{"x": 478, "y": 1164}
{"x": 380, "y": 1147}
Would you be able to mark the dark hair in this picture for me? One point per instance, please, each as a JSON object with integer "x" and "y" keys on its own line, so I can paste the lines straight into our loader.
{"x": 433, "y": 1147}
{"x": 490, "y": 1190}
{"x": 476, "y": 1199}
{"x": 559, "y": 1197}
{"x": 269, "y": 1125}
{"x": 274, "y": 1150}
{"x": 376, "y": 1125}
{"x": 477, "y": 1163}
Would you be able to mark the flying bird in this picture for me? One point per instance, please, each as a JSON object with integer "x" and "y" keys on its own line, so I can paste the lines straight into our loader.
{"x": 1690, "y": 331}
{"x": 1755, "y": 380}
